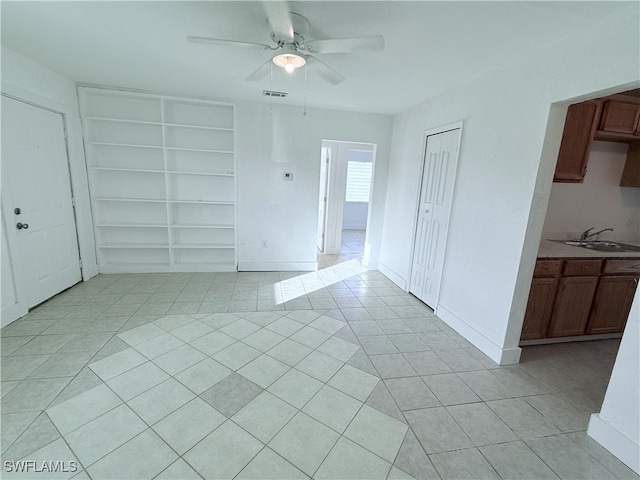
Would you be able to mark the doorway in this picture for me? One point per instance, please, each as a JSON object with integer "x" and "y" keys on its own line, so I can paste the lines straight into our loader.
{"x": 41, "y": 252}
{"x": 346, "y": 176}
{"x": 434, "y": 210}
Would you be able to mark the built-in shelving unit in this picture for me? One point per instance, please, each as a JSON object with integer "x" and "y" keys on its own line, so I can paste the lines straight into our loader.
{"x": 162, "y": 181}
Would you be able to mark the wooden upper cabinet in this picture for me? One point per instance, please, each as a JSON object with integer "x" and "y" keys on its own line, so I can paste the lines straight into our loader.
{"x": 620, "y": 117}
{"x": 579, "y": 130}
{"x": 631, "y": 173}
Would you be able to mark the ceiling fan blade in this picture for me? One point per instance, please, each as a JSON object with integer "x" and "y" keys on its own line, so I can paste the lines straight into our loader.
{"x": 224, "y": 42}
{"x": 324, "y": 71}
{"x": 262, "y": 71}
{"x": 279, "y": 16}
{"x": 344, "y": 45}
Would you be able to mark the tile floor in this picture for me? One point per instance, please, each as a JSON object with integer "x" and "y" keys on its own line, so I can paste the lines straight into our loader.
{"x": 351, "y": 248}
{"x": 333, "y": 374}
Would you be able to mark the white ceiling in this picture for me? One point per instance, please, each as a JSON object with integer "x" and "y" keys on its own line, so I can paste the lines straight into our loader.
{"x": 430, "y": 46}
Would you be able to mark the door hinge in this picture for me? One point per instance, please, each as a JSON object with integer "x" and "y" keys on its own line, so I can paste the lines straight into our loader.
{"x": 325, "y": 199}
{"x": 80, "y": 262}
{"x": 66, "y": 134}
{"x": 73, "y": 202}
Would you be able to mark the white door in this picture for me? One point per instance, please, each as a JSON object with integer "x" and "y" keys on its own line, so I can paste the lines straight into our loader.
{"x": 436, "y": 195}
{"x": 36, "y": 195}
{"x": 325, "y": 158}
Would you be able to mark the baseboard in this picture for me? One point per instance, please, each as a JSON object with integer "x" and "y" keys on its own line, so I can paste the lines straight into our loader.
{"x": 277, "y": 266}
{"x": 615, "y": 441}
{"x": 578, "y": 338}
{"x": 393, "y": 276}
{"x": 502, "y": 356}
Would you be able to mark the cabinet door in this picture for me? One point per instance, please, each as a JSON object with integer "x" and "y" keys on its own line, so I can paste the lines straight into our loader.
{"x": 579, "y": 130}
{"x": 539, "y": 308}
{"x": 612, "y": 304}
{"x": 572, "y": 306}
{"x": 620, "y": 117}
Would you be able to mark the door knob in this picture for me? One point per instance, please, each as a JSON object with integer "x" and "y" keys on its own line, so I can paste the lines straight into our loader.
{"x": 17, "y": 211}
{"x": 20, "y": 225}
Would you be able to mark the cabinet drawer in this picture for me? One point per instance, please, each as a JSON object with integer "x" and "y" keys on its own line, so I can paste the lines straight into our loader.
{"x": 547, "y": 268}
{"x": 582, "y": 267}
{"x": 622, "y": 266}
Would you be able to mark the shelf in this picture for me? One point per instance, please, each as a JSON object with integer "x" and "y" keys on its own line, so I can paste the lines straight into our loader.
{"x": 204, "y": 245}
{"x": 153, "y": 200}
{"x": 178, "y": 154}
{"x": 134, "y": 245}
{"x": 108, "y": 144}
{"x": 118, "y": 267}
{"x": 132, "y": 225}
{"x": 207, "y": 266}
{"x": 202, "y": 202}
{"x": 139, "y": 200}
{"x": 194, "y": 225}
{"x": 199, "y": 127}
{"x": 198, "y": 150}
{"x": 122, "y": 120}
{"x": 113, "y": 169}
{"x": 202, "y": 173}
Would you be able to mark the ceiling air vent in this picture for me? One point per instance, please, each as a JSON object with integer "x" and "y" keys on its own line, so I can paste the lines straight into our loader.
{"x": 271, "y": 93}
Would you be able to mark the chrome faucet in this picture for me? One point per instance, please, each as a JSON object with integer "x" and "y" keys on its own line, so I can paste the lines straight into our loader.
{"x": 586, "y": 234}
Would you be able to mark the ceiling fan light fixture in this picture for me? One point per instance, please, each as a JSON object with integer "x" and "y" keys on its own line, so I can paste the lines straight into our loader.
{"x": 289, "y": 61}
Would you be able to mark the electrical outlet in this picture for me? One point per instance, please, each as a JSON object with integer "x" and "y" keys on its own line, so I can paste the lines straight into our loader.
{"x": 265, "y": 244}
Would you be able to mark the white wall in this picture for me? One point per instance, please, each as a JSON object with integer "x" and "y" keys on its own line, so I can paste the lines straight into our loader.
{"x": 598, "y": 202}
{"x": 492, "y": 242}
{"x": 354, "y": 216}
{"x": 617, "y": 426}
{"x": 27, "y": 80}
{"x": 284, "y": 213}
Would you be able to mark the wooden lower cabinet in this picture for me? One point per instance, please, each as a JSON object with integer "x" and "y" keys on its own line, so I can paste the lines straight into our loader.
{"x": 572, "y": 306}
{"x": 539, "y": 308}
{"x": 580, "y": 296}
{"x": 612, "y": 304}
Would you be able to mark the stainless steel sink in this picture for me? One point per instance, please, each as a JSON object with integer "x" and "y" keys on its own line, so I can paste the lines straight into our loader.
{"x": 601, "y": 246}
{"x": 629, "y": 248}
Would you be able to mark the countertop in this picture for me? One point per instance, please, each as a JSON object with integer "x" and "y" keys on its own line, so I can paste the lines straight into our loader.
{"x": 551, "y": 249}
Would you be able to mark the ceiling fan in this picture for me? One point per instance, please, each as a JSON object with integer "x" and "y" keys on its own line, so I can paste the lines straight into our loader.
{"x": 293, "y": 49}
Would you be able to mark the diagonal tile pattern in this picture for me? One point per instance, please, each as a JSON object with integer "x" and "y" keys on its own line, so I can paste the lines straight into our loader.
{"x": 332, "y": 374}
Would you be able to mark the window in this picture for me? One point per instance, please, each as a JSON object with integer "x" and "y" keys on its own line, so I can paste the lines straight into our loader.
{"x": 358, "y": 181}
